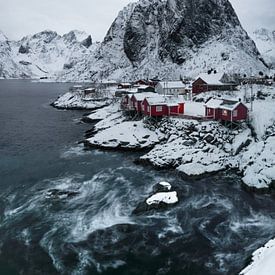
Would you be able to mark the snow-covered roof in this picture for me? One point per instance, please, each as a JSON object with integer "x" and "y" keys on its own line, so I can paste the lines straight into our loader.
{"x": 156, "y": 100}
{"x": 213, "y": 103}
{"x": 125, "y": 84}
{"x": 165, "y": 100}
{"x": 213, "y": 79}
{"x": 141, "y": 96}
{"x": 225, "y": 104}
{"x": 143, "y": 87}
{"x": 172, "y": 84}
{"x": 89, "y": 89}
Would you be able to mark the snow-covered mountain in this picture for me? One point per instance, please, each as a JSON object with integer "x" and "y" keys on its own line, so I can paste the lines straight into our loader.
{"x": 43, "y": 54}
{"x": 265, "y": 41}
{"x": 169, "y": 38}
{"x": 163, "y": 38}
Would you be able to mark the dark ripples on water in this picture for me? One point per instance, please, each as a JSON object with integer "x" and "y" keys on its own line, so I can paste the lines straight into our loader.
{"x": 213, "y": 229}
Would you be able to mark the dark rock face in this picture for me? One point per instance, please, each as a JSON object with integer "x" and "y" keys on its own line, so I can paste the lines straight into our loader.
{"x": 24, "y": 49}
{"x": 174, "y": 27}
{"x": 47, "y": 36}
{"x": 87, "y": 42}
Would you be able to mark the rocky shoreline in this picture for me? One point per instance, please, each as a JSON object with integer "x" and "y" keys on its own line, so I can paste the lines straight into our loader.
{"x": 194, "y": 149}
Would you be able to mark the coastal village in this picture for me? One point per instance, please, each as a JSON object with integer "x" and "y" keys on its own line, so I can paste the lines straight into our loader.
{"x": 198, "y": 127}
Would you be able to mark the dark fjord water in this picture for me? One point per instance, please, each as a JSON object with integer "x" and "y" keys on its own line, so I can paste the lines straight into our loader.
{"x": 213, "y": 229}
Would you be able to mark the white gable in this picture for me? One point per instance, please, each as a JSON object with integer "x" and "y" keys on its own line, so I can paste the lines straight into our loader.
{"x": 212, "y": 79}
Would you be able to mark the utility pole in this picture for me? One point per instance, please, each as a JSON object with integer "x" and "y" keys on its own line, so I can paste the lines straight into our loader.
{"x": 251, "y": 96}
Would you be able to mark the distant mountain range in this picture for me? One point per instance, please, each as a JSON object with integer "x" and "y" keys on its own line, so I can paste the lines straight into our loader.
{"x": 43, "y": 54}
{"x": 149, "y": 38}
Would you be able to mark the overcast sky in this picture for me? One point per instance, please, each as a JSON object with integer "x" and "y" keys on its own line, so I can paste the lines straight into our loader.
{"x": 22, "y": 17}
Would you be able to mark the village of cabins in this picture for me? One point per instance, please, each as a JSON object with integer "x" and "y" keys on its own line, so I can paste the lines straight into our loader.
{"x": 156, "y": 99}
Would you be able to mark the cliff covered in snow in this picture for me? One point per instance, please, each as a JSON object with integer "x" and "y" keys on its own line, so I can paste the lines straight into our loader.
{"x": 172, "y": 38}
{"x": 164, "y": 38}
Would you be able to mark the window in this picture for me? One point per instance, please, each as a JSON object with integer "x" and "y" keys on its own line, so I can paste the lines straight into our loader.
{"x": 224, "y": 112}
{"x": 159, "y": 109}
{"x": 235, "y": 113}
{"x": 209, "y": 111}
{"x": 148, "y": 109}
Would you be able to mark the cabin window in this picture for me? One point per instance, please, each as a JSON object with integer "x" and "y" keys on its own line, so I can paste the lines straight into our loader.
{"x": 148, "y": 109}
{"x": 224, "y": 112}
{"x": 209, "y": 111}
{"x": 235, "y": 113}
{"x": 159, "y": 109}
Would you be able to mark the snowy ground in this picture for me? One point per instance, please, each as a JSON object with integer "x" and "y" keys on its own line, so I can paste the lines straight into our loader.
{"x": 77, "y": 100}
{"x": 262, "y": 261}
{"x": 196, "y": 148}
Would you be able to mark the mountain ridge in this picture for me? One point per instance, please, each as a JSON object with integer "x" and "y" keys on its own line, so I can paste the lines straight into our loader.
{"x": 158, "y": 38}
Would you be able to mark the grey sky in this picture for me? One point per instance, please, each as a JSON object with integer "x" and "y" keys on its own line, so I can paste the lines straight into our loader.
{"x": 19, "y": 18}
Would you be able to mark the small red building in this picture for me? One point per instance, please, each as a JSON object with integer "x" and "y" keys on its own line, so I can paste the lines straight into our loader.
{"x": 154, "y": 107}
{"x": 162, "y": 106}
{"x": 211, "y": 82}
{"x": 137, "y": 99}
{"x": 226, "y": 110}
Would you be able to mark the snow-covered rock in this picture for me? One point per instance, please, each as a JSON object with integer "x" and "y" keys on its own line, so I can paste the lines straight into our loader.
{"x": 77, "y": 100}
{"x": 265, "y": 41}
{"x": 164, "y": 197}
{"x": 258, "y": 164}
{"x": 124, "y": 135}
{"x": 262, "y": 261}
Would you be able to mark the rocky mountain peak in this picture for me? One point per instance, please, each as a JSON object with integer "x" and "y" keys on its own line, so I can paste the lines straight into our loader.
{"x": 3, "y": 37}
{"x": 47, "y": 36}
{"x": 171, "y": 38}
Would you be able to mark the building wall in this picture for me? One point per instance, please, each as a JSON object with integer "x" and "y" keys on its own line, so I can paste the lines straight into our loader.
{"x": 159, "y": 110}
{"x": 240, "y": 113}
{"x": 199, "y": 86}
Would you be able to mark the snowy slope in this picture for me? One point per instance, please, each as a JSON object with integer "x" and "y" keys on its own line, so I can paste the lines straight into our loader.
{"x": 43, "y": 54}
{"x": 170, "y": 38}
{"x": 149, "y": 38}
{"x": 265, "y": 41}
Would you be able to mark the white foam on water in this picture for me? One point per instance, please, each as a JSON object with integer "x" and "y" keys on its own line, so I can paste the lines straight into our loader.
{"x": 25, "y": 236}
{"x": 75, "y": 151}
{"x": 85, "y": 224}
{"x": 251, "y": 222}
{"x": 49, "y": 246}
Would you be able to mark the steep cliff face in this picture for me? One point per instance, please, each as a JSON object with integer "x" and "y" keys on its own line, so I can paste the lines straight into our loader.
{"x": 170, "y": 38}
{"x": 265, "y": 41}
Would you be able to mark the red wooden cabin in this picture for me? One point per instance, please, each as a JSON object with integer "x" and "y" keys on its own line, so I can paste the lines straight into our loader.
{"x": 211, "y": 82}
{"x": 154, "y": 107}
{"x": 162, "y": 106}
{"x": 226, "y": 110}
{"x": 138, "y": 98}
